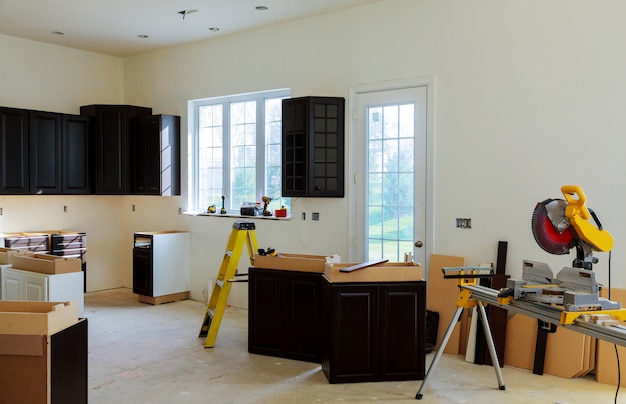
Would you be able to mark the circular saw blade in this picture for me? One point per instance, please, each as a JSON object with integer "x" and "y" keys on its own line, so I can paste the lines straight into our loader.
{"x": 552, "y": 234}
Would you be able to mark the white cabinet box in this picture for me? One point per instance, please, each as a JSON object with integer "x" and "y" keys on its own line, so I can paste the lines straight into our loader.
{"x": 161, "y": 266}
{"x": 18, "y": 284}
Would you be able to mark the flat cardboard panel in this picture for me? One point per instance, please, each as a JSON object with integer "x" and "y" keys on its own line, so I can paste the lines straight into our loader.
{"x": 565, "y": 353}
{"x": 24, "y": 378}
{"x": 45, "y": 264}
{"x": 387, "y": 272}
{"x": 293, "y": 262}
{"x": 25, "y": 345}
{"x": 442, "y": 295}
{"x": 36, "y": 318}
{"x": 521, "y": 336}
{"x": 606, "y": 362}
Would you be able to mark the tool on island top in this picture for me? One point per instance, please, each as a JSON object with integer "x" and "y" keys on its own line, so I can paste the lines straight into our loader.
{"x": 243, "y": 232}
{"x": 559, "y": 225}
{"x": 362, "y": 265}
{"x": 467, "y": 276}
{"x": 223, "y": 211}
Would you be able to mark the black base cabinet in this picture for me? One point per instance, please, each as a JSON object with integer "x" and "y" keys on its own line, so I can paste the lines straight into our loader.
{"x": 284, "y": 314}
{"x": 373, "y": 331}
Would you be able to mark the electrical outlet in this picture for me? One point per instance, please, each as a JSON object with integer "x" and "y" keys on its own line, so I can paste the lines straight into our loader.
{"x": 315, "y": 216}
{"x": 303, "y": 215}
{"x": 463, "y": 223}
{"x": 65, "y": 209}
{"x": 133, "y": 208}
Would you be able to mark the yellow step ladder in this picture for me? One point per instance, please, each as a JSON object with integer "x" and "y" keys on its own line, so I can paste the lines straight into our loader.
{"x": 242, "y": 231}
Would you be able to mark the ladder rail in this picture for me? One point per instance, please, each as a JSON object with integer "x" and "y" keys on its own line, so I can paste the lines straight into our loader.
{"x": 243, "y": 232}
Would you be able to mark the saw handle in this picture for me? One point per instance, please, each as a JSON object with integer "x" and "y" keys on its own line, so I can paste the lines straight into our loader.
{"x": 576, "y": 200}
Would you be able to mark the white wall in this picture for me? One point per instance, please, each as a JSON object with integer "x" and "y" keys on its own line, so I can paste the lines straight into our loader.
{"x": 529, "y": 96}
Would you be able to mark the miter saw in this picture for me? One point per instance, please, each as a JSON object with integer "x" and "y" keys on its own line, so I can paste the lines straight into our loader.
{"x": 558, "y": 226}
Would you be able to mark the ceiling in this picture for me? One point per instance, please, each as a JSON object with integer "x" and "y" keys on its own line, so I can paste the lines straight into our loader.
{"x": 113, "y": 27}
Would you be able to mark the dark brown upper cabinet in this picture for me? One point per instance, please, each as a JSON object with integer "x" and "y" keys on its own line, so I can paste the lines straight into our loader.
{"x": 113, "y": 125}
{"x": 313, "y": 147}
{"x": 14, "y": 152}
{"x": 155, "y": 156}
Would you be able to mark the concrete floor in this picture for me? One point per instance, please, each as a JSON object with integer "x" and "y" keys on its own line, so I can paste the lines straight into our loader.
{"x": 139, "y": 353}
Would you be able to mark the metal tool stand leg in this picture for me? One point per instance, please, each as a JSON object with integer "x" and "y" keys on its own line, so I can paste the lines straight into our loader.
{"x": 492, "y": 347}
{"x": 444, "y": 342}
{"x": 442, "y": 346}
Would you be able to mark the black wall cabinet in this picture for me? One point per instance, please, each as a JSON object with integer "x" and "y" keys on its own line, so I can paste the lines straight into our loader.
{"x": 44, "y": 153}
{"x": 313, "y": 147}
{"x": 112, "y": 126}
{"x": 155, "y": 156}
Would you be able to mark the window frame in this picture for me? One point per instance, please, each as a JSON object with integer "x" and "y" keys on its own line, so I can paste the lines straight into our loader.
{"x": 194, "y": 106}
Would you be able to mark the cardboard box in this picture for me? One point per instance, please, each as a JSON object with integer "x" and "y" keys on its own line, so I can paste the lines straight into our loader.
{"x": 387, "y": 272}
{"x": 36, "y": 318}
{"x": 45, "y": 264}
{"x": 294, "y": 262}
{"x": 45, "y": 368}
{"x": 4, "y": 254}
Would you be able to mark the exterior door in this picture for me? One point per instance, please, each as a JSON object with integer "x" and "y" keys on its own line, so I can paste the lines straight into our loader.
{"x": 391, "y": 174}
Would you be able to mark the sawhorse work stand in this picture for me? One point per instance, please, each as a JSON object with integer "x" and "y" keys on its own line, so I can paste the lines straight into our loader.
{"x": 243, "y": 231}
{"x": 467, "y": 276}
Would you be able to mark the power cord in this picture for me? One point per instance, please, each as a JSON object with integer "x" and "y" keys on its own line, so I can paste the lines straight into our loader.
{"x": 619, "y": 376}
{"x": 619, "y": 373}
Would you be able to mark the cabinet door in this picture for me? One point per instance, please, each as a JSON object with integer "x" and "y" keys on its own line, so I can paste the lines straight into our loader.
{"x": 403, "y": 331}
{"x": 326, "y": 144}
{"x": 265, "y": 312}
{"x": 77, "y": 155}
{"x": 142, "y": 272}
{"x": 354, "y": 327}
{"x": 10, "y": 285}
{"x": 302, "y": 317}
{"x": 35, "y": 287}
{"x": 112, "y": 151}
{"x": 155, "y": 156}
{"x": 14, "y": 155}
{"x": 45, "y": 152}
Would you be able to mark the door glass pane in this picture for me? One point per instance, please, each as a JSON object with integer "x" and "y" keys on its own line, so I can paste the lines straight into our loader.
{"x": 390, "y": 187}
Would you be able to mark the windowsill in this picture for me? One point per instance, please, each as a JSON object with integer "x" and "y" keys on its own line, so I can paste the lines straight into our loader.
{"x": 234, "y": 215}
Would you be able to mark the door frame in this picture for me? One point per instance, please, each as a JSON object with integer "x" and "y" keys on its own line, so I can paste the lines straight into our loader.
{"x": 424, "y": 81}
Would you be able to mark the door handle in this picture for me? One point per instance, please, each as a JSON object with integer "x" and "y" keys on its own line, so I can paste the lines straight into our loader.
{"x": 418, "y": 244}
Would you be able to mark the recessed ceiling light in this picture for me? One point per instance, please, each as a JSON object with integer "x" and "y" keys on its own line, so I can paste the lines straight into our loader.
{"x": 142, "y": 36}
{"x": 57, "y": 33}
{"x": 261, "y": 8}
{"x": 185, "y": 13}
{"x": 214, "y": 29}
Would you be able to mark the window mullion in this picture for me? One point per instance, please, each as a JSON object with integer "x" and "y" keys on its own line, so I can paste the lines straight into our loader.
{"x": 260, "y": 148}
{"x": 226, "y": 154}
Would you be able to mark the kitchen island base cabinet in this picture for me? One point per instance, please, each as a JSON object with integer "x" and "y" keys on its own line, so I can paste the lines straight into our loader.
{"x": 375, "y": 331}
{"x": 284, "y": 314}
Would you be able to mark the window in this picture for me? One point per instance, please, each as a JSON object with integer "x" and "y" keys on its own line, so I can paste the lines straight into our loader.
{"x": 235, "y": 151}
